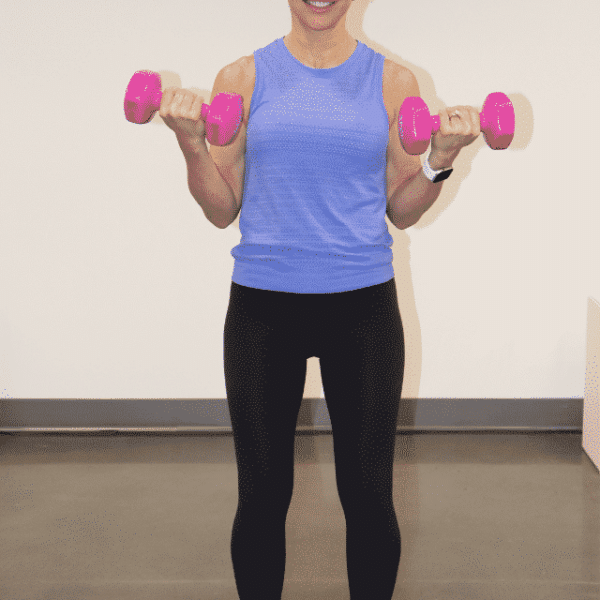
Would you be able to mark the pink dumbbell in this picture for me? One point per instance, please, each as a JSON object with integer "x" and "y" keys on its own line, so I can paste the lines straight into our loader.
{"x": 222, "y": 118}
{"x": 416, "y": 125}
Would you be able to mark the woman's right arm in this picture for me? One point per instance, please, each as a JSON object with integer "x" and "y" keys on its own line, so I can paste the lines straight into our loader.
{"x": 206, "y": 184}
{"x": 180, "y": 109}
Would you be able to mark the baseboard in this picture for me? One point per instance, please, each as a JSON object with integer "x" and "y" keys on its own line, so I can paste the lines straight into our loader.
{"x": 212, "y": 415}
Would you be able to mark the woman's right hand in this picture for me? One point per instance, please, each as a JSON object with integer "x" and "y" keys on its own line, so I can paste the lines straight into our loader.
{"x": 180, "y": 109}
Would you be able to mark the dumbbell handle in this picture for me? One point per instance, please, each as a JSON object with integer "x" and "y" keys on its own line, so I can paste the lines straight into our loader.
{"x": 436, "y": 123}
{"x": 222, "y": 117}
{"x": 156, "y": 98}
{"x": 487, "y": 125}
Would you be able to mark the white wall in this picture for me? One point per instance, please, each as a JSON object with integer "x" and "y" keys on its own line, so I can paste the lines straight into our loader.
{"x": 114, "y": 284}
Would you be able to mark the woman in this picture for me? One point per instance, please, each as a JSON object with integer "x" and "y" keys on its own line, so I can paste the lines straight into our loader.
{"x": 318, "y": 162}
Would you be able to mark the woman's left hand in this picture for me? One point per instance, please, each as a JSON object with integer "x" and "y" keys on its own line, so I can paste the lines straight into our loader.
{"x": 457, "y": 132}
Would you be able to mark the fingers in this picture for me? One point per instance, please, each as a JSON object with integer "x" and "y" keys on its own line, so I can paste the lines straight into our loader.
{"x": 165, "y": 101}
{"x": 450, "y": 121}
{"x": 475, "y": 120}
{"x": 178, "y": 102}
{"x": 196, "y": 107}
{"x": 467, "y": 121}
{"x": 445, "y": 121}
{"x": 459, "y": 127}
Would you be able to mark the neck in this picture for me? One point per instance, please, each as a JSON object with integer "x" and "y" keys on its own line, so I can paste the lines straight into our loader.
{"x": 320, "y": 43}
{"x": 319, "y": 38}
{"x": 319, "y": 52}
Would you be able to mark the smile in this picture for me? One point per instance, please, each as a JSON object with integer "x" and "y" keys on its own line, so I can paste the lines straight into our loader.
{"x": 319, "y": 4}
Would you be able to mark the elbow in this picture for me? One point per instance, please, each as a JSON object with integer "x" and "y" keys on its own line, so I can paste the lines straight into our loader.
{"x": 410, "y": 220}
{"x": 409, "y": 223}
{"x": 213, "y": 221}
{"x": 406, "y": 222}
{"x": 401, "y": 222}
{"x": 225, "y": 225}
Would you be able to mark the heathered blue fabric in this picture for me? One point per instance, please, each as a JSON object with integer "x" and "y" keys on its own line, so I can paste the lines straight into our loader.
{"x": 314, "y": 201}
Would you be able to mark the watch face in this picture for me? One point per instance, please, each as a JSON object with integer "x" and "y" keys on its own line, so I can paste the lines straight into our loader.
{"x": 442, "y": 176}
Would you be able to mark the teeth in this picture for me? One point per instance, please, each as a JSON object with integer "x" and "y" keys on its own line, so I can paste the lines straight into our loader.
{"x": 320, "y": 4}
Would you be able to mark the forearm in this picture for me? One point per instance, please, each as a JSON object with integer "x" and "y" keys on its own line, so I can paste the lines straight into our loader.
{"x": 418, "y": 194}
{"x": 207, "y": 185}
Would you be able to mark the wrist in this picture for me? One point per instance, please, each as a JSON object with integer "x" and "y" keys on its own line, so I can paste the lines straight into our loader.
{"x": 440, "y": 160}
{"x": 192, "y": 145}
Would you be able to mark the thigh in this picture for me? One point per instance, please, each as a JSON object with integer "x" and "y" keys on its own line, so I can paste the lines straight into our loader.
{"x": 264, "y": 376}
{"x": 362, "y": 372}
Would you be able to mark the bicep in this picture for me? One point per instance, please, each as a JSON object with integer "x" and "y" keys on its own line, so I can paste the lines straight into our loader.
{"x": 401, "y": 166}
{"x": 230, "y": 159}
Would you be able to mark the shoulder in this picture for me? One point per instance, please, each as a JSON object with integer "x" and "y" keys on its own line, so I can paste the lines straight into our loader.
{"x": 246, "y": 63}
{"x": 237, "y": 78}
{"x": 240, "y": 71}
{"x": 401, "y": 79}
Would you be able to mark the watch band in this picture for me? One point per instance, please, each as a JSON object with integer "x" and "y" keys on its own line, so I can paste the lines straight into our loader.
{"x": 435, "y": 176}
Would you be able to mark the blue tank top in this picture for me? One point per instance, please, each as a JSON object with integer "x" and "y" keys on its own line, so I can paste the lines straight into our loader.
{"x": 314, "y": 198}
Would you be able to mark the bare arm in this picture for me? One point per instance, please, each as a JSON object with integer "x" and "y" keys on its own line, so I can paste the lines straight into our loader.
{"x": 207, "y": 185}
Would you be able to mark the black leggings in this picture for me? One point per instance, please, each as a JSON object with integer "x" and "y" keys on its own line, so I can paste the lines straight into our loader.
{"x": 359, "y": 340}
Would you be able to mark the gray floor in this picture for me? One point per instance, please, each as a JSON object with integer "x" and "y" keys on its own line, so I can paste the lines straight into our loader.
{"x": 494, "y": 516}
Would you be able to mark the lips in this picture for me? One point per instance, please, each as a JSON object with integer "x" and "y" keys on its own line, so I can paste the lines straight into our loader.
{"x": 320, "y": 9}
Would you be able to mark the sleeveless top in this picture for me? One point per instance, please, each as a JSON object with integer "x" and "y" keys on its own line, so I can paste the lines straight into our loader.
{"x": 314, "y": 199}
